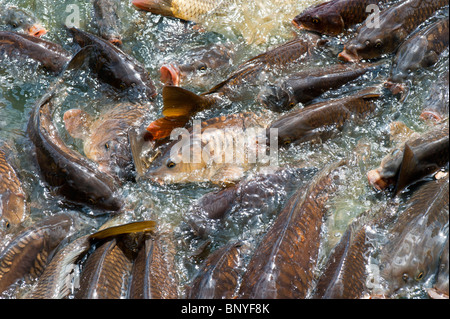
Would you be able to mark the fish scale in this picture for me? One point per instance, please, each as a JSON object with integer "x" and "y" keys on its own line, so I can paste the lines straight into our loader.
{"x": 193, "y": 10}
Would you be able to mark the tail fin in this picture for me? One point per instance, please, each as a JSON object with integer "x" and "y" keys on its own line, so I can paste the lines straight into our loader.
{"x": 136, "y": 227}
{"x": 162, "y": 127}
{"x": 179, "y": 102}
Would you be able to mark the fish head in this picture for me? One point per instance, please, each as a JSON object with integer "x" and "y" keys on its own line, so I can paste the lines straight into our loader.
{"x": 162, "y": 7}
{"x": 322, "y": 21}
{"x": 127, "y": 79}
{"x": 371, "y": 43}
{"x": 277, "y": 98}
{"x": 18, "y": 19}
{"x": 386, "y": 174}
{"x": 77, "y": 123}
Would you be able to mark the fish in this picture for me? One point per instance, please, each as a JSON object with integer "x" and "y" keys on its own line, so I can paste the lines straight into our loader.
{"x": 417, "y": 238}
{"x": 305, "y": 86}
{"x": 28, "y": 253}
{"x": 111, "y": 65}
{"x": 440, "y": 287}
{"x": 153, "y": 275}
{"x": 437, "y": 102}
{"x": 282, "y": 266}
{"x": 219, "y": 275}
{"x": 216, "y": 150}
{"x": 421, "y": 50}
{"x": 195, "y": 67}
{"x": 181, "y": 104}
{"x": 396, "y": 23}
{"x": 317, "y": 121}
{"x": 51, "y": 56}
{"x": 335, "y": 16}
{"x": 16, "y": 19}
{"x": 262, "y": 194}
{"x": 68, "y": 173}
{"x": 13, "y": 198}
{"x": 107, "y": 20}
{"x": 419, "y": 156}
{"x": 105, "y": 138}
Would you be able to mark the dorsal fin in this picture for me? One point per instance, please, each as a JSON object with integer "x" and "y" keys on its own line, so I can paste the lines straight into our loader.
{"x": 180, "y": 102}
{"x": 136, "y": 227}
{"x": 407, "y": 168}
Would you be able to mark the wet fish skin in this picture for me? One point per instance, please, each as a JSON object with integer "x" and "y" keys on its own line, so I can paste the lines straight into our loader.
{"x": 416, "y": 240}
{"x": 440, "y": 289}
{"x": 306, "y": 85}
{"x": 421, "y": 50}
{"x": 105, "y": 15}
{"x": 111, "y": 64}
{"x": 153, "y": 275}
{"x": 66, "y": 171}
{"x": 219, "y": 276}
{"x": 335, "y": 16}
{"x": 317, "y": 121}
{"x": 396, "y": 23}
{"x": 29, "y": 252}
{"x": 105, "y": 139}
{"x": 50, "y": 55}
{"x": 19, "y": 20}
{"x": 425, "y": 154}
{"x": 436, "y": 105}
{"x": 197, "y": 65}
{"x": 13, "y": 205}
{"x": 283, "y": 264}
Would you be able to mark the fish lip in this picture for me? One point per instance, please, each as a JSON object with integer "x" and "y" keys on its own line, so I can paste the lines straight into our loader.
{"x": 140, "y": 4}
{"x": 116, "y": 41}
{"x": 431, "y": 115}
{"x": 36, "y": 30}
{"x": 376, "y": 180}
{"x": 298, "y": 25}
{"x": 348, "y": 56}
{"x": 170, "y": 74}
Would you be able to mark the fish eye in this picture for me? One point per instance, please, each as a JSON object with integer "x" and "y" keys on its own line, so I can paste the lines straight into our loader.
{"x": 92, "y": 201}
{"x": 106, "y": 145}
{"x": 419, "y": 276}
{"x": 292, "y": 104}
{"x": 378, "y": 44}
{"x": 122, "y": 86}
{"x": 14, "y": 25}
{"x": 202, "y": 68}
{"x": 287, "y": 142}
{"x": 315, "y": 20}
{"x": 171, "y": 164}
{"x": 7, "y": 224}
{"x": 405, "y": 277}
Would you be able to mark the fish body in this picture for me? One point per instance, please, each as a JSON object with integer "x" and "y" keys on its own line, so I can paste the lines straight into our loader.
{"x": 66, "y": 171}
{"x": 335, "y": 16}
{"x": 107, "y": 20}
{"x": 306, "y": 85}
{"x": 219, "y": 276}
{"x": 216, "y": 151}
{"x": 440, "y": 289}
{"x": 106, "y": 139}
{"x": 414, "y": 159}
{"x": 29, "y": 252}
{"x": 396, "y": 23}
{"x": 421, "y": 50}
{"x": 15, "y": 19}
{"x": 197, "y": 65}
{"x": 51, "y": 56}
{"x": 317, "y": 120}
{"x": 111, "y": 65}
{"x": 436, "y": 105}
{"x": 284, "y": 261}
{"x": 13, "y": 199}
{"x": 418, "y": 237}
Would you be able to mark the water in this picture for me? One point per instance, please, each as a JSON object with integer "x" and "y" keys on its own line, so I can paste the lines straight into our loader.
{"x": 153, "y": 40}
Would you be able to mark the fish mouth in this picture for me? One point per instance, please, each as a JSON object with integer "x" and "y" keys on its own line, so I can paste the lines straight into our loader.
{"x": 376, "y": 180}
{"x": 170, "y": 74}
{"x": 36, "y": 30}
{"x": 116, "y": 41}
{"x": 430, "y": 115}
{"x": 142, "y": 4}
{"x": 298, "y": 25}
{"x": 395, "y": 88}
{"x": 162, "y": 7}
{"x": 348, "y": 56}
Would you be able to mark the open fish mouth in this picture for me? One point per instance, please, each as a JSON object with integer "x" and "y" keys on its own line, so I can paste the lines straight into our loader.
{"x": 37, "y": 30}
{"x": 376, "y": 180}
{"x": 431, "y": 115}
{"x": 170, "y": 74}
{"x": 348, "y": 56}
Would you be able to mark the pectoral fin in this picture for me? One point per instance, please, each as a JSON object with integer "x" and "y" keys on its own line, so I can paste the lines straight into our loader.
{"x": 162, "y": 127}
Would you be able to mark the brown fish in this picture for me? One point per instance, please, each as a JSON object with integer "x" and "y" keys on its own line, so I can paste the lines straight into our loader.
{"x": 284, "y": 262}
{"x": 219, "y": 276}
{"x": 414, "y": 159}
{"x": 51, "y": 56}
{"x": 105, "y": 16}
{"x": 395, "y": 24}
{"x": 421, "y": 50}
{"x": 318, "y": 120}
{"x": 29, "y": 252}
{"x": 416, "y": 239}
{"x": 13, "y": 203}
{"x": 335, "y": 16}
{"x": 440, "y": 289}
{"x": 153, "y": 275}
{"x": 19, "y": 20}
{"x": 106, "y": 139}
{"x": 65, "y": 170}
{"x": 436, "y": 105}
{"x": 304, "y": 86}
{"x": 182, "y": 104}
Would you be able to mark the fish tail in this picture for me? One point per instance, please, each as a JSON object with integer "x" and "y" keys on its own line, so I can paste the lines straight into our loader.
{"x": 179, "y": 102}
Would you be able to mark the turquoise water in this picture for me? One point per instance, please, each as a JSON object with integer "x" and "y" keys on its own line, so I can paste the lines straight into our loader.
{"x": 153, "y": 40}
